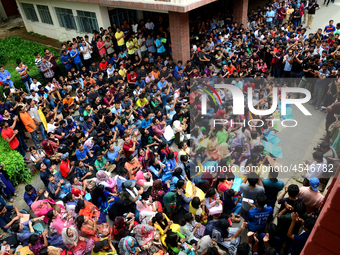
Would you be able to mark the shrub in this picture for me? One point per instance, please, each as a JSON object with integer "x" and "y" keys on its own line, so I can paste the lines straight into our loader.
{"x": 15, "y": 165}
{"x": 13, "y": 48}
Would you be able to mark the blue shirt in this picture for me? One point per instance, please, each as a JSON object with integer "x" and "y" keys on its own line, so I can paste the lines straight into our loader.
{"x": 29, "y": 199}
{"x": 64, "y": 59}
{"x": 158, "y": 43}
{"x": 176, "y": 69}
{"x": 76, "y": 59}
{"x": 161, "y": 85}
{"x": 269, "y": 15}
{"x": 272, "y": 188}
{"x": 152, "y": 48}
{"x": 3, "y": 76}
{"x": 257, "y": 219}
{"x": 82, "y": 155}
{"x": 155, "y": 171}
{"x": 113, "y": 155}
{"x": 140, "y": 84}
{"x": 121, "y": 129}
{"x": 146, "y": 124}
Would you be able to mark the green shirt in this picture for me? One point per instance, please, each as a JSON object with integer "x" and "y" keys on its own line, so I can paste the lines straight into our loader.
{"x": 85, "y": 113}
{"x": 337, "y": 31}
{"x": 222, "y": 136}
{"x": 100, "y": 164}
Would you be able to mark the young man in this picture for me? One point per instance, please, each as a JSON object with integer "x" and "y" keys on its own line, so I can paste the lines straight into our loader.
{"x": 54, "y": 186}
{"x": 293, "y": 191}
{"x": 102, "y": 164}
{"x": 258, "y": 217}
{"x": 6, "y": 219}
{"x": 25, "y": 78}
{"x": 29, "y": 125}
{"x": 272, "y": 187}
{"x": 250, "y": 191}
{"x": 31, "y": 195}
{"x": 311, "y": 195}
{"x": 300, "y": 240}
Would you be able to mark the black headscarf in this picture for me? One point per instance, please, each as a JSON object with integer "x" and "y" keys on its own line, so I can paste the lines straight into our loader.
{"x": 118, "y": 209}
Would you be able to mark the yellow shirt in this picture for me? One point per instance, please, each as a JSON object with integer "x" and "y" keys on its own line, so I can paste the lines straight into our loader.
{"x": 140, "y": 103}
{"x": 122, "y": 72}
{"x": 128, "y": 45}
{"x": 121, "y": 41}
{"x": 135, "y": 42}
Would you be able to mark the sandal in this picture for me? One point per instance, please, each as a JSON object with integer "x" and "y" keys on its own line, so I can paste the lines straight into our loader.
{"x": 16, "y": 195}
{"x": 12, "y": 200}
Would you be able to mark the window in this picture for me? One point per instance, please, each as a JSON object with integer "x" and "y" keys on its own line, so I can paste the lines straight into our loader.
{"x": 118, "y": 16}
{"x": 44, "y": 14}
{"x": 29, "y": 12}
{"x": 66, "y": 18}
{"x": 87, "y": 22}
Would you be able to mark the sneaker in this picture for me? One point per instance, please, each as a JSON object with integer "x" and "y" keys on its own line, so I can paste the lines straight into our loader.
{"x": 311, "y": 103}
{"x": 316, "y": 108}
{"x": 323, "y": 107}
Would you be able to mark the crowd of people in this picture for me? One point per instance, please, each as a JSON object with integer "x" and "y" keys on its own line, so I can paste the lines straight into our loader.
{"x": 122, "y": 135}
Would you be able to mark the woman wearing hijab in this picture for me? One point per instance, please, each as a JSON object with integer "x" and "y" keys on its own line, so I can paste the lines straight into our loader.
{"x": 147, "y": 210}
{"x": 118, "y": 209}
{"x": 159, "y": 190}
{"x": 148, "y": 238}
{"x": 140, "y": 179}
{"x": 76, "y": 243}
{"x": 123, "y": 226}
{"x": 128, "y": 246}
{"x": 104, "y": 179}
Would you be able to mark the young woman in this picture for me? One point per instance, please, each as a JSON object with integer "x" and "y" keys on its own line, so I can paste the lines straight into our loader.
{"x": 189, "y": 227}
{"x": 88, "y": 227}
{"x": 88, "y": 209}
{"x": 159, "y": 190}
{"x": 212, "y": 199}
{"x": 197, "y": 208}
{"x": 39, "y": 156}
{"x": 70, "y": 201}
{"x": 128, "y": 246}
{"x": 176, "y": 242}
{"x": 103, "y": 198}
{"x": 58, "y": 221}
{"x": 76, "y": 243}
{"x": 148, "y": 238}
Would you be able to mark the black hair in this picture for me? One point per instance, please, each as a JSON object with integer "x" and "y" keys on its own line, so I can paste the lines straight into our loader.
{"x": 195, "y": 202}
{"x": 269, "y": 251}
{"x": 28, "y": 187}
{"x": 98, "y": 192}
{"x": 159, "y": 219}
{"x": 261, "y": 199}
{"x": 68, "y": 197}
{"x": 299, "y": 207}
{"x": 15, "y": 227}
{"x": 243, "y": 249}
{"x": 309, "y": 223}
{"x": 180, "y": 184}
{"x": 171, "y": 239}
{"x": 33, "y": 239}
{"x": 49, "y": 215}
{"x": 80, "y": 205}
{"x": 43, "y": 251}
{"x": 79, "y": 221}
{"x": 293, "y": 190}
{"x": 187, "y": 218}
{"x": 253, "y": 178}
{"x": 272, "y": 230}
{"x": 210, "y": 193}
{"x": 99, "y": 246}
{"x": 325, "y": 145}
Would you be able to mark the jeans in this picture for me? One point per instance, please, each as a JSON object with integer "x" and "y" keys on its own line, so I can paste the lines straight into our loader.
{"x": 78, "y": 65}
{"x": 138, "y": 124}
{"x": 58, "y": 174}
{"x": 270, "y": 24}
{"x": 35, "y": 139}
{"x": 47, "y": 162}
{"x": 21, "y": 151}
{"x": 277, "y": 72}
{"x": 210, "y": 113}
{"x": 122, "y": 47}
{"x": 22, "y": 142}
{"x": 278, "y": 22}
{"x": 27, "y": 85}
{"x": 237, "y": 207}
{"x": 42, "y": 130}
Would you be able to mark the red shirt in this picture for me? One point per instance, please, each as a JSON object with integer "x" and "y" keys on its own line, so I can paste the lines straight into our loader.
{"x": 132, "y": 77}
{"x": 127, "y": 147}
{"x": 65, "y": 168}
{"x": 8, "y": 133}
{"x": 102, "y": 66}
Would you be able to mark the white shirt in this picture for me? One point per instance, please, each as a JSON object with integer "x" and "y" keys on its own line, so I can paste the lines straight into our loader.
{"x": 35, "y": 98}
{"x": 149, "y": 25}
{"x": 134, "y": 28}
{"x": 316, "y": 169}
{"x": 87, "y": 55}
{"x": 51, "y": 128}
{"x": 34, "y": 86}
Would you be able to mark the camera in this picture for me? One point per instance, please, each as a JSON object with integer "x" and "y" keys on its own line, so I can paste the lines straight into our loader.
{"x": 317, "y": 148}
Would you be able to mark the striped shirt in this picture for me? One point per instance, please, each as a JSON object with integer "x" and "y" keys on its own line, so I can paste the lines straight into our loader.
{"x": 22, "y": 72}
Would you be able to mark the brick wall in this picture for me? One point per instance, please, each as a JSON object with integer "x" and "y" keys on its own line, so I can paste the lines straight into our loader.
{"x": 325, "y": 236}
{"x": 240, "y": 12}
{"x": 179, "y": 30}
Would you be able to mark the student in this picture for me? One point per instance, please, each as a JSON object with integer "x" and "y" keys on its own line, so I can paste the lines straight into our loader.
{"x": 258, "y": 217}
{"x": 250, "y": 191}
{"x": 31, "y": 195}
{"x": 311, "y": 195}
{"x": 272, "y": 187}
